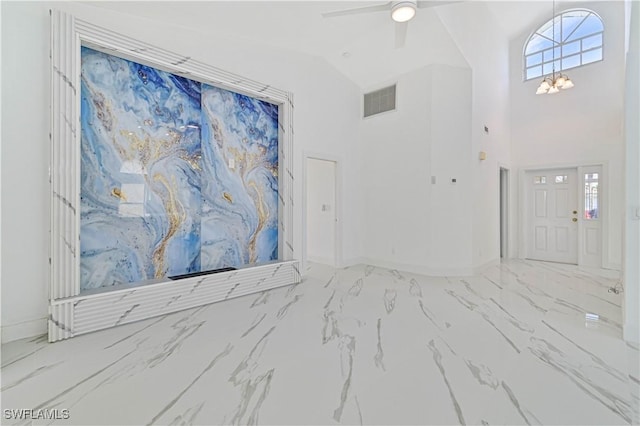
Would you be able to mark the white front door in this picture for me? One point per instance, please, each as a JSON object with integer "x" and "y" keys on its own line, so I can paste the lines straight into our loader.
{"x": 552, "y": 215}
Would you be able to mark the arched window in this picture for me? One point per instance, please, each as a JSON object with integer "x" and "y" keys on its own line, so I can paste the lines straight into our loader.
{"x": 577, "y": 41}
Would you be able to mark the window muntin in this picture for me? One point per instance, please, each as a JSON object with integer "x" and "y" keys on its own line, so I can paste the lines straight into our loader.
{"x": 578, "y": 40}
{"x": 591, "y": 196}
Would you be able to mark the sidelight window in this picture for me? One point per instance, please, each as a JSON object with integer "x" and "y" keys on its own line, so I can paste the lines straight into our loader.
{"x": 591, "y": 196}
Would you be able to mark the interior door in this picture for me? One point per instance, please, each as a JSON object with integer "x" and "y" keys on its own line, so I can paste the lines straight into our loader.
{"x": 321, "y": 211}
{"x": 552, "y": 215}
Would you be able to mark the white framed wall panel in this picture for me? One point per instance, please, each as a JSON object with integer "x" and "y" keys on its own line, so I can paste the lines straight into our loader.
{"x": 72, "y": 313}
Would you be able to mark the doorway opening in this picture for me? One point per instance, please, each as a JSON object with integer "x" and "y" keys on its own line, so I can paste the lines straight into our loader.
{"x": 321, "y": 216}
{"x": 504, "y": 213}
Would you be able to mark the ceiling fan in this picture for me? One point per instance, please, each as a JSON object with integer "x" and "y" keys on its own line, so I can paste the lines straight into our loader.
{"x": 402, "y": 12}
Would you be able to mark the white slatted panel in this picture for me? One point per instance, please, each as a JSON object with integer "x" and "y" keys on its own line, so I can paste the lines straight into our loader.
{"x": 65, "y": 149}
{"x": 60, "y": 321}
{"x": 106, "y": 40}
{"x": 72, "y": 313}
{"x": 289, "y": 251}
{"x": 100, "y": 311}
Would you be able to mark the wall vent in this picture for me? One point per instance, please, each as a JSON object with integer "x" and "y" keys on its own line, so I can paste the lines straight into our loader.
{"x": 380, "y": 101}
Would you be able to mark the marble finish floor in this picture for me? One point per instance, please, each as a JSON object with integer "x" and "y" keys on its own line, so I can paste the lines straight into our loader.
{"x": 522, "y": 343}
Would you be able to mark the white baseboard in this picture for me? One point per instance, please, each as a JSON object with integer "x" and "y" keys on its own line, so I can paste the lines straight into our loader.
{"x": 421, "y": 269}
{"x": 480, "y": 268}
{"x": 353, "y": 261}
{"x": 631, "y": 332}
{"x": 417, "y": 269}
{"x": 322, "y": 260}
{"x": 23, "y": 330}
{"x": 613, "y": 266}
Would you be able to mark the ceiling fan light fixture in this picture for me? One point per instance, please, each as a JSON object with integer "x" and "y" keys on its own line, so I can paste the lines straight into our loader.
{"x": 403, "y": 11}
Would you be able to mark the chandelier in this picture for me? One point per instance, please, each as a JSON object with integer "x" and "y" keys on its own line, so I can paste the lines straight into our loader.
{"x": 553, "y": 83}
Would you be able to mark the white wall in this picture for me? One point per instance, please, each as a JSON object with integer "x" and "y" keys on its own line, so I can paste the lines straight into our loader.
{"x": 488, "y": 58}
{"x": 631, "y": 266}
{"x": 326, "y": 120}
{"x": 396, "y": 168}
{"x": 578, "y": 126}
{"x": 0, "y": 175}
{"x": 25, "y": 218}
{"x": 451, "y": 204}
{"x": 412, "y": 224}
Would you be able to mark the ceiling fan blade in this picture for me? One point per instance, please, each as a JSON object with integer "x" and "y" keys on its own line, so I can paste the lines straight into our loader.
{"x": 401, "y": 33}
{"x": 358, "y": 10}
{"x": 432, "y": 3}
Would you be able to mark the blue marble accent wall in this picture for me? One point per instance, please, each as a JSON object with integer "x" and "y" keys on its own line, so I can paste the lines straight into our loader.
{"x": 240, "y": 201}
{"x": 176, "y": 176}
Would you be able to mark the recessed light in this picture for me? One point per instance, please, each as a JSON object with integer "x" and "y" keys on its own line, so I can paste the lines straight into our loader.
{"x": 346, "y": 54}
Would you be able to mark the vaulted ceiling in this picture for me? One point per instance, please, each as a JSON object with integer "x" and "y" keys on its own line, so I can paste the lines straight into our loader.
{"x": 360, "y": 46}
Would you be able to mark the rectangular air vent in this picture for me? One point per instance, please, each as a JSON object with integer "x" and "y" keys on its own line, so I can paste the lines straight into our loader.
{"x": 380, "y": 101}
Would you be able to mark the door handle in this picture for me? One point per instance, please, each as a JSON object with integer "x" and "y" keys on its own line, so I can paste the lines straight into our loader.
{"x": 575, "y": 212}
{"x": 575, "y": 219}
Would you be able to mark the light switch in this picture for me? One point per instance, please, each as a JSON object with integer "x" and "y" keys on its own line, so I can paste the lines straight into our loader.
{"x": 232, "y": 163}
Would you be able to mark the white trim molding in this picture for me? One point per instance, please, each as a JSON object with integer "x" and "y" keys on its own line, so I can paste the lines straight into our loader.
{"x": 337, "y": 261}
{"x": 23, "y": 329}
{"x": 604, "y": 201}
{"x": 439, "y": 271}
{"x": 631, "y": 332}
{"x": 72, "y": 313}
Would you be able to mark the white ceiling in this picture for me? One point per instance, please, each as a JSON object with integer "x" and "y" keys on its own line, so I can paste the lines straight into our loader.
{"x": 360, "y": 46}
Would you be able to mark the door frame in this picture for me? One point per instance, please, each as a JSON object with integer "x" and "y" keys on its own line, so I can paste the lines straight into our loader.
{"x": 603, "y": 203}
{"x": 504, "y": 211}
{"x": 337, "y": 262}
